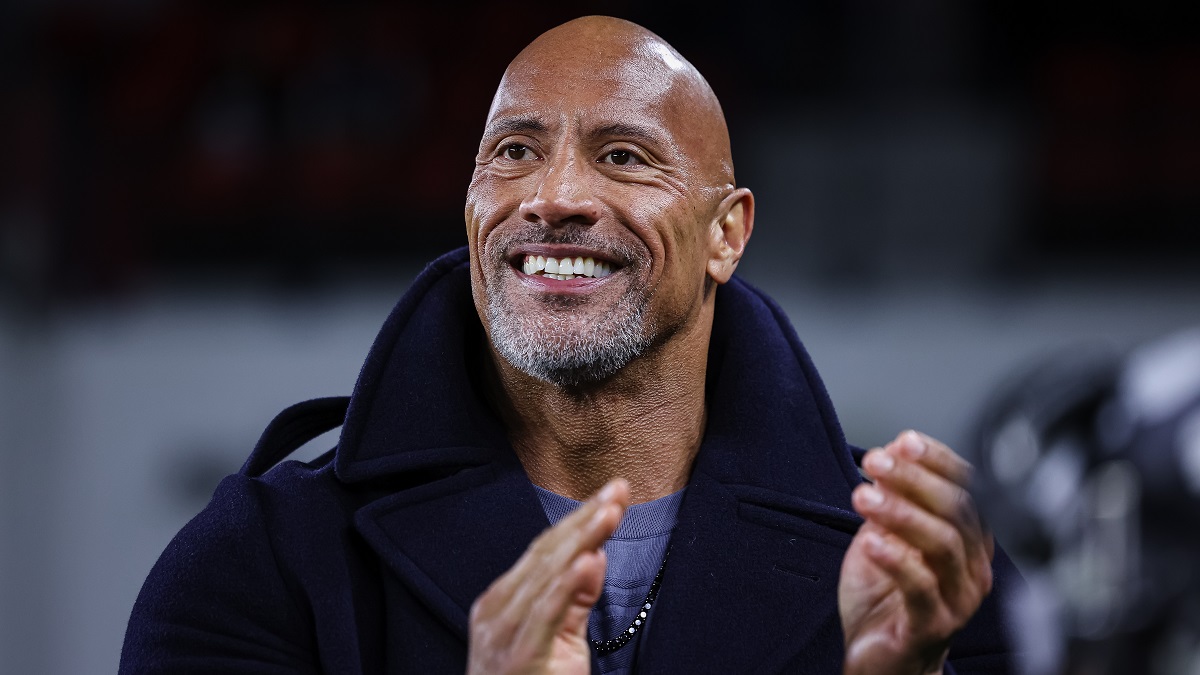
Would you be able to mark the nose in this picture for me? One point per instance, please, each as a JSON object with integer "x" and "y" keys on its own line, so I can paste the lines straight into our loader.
{"x": 563, "y": 195}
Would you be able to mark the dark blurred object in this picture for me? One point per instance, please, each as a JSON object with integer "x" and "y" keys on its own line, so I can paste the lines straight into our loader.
{"x": 1089, "y": 471}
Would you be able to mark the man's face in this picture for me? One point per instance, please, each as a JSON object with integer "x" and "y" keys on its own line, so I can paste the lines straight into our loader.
{"x": 592, "y": 160}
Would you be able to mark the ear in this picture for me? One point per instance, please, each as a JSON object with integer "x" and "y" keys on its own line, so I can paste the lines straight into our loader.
{"x": 729, "y": 233}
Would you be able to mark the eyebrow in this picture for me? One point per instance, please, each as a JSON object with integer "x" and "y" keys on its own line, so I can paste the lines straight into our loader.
{"x": 521, "y": 124}
{"x": 626, "y": 130}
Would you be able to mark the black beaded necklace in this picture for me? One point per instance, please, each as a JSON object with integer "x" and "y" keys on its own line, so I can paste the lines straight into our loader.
{"x": 608, "y": 646}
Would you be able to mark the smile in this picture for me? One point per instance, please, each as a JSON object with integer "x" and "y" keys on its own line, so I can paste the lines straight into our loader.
{"x": 566, "y": 268}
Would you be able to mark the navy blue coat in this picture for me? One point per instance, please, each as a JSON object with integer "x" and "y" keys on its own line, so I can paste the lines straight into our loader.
{"x": 367, "y": 560}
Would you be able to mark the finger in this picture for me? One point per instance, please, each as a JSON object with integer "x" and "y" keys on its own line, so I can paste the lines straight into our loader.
{"x": 590, "y": 525}
{"x": 938, "y": 542}
{"x": 904, "y": 564}
{"x": 585, "y": 529}
{"x": 940, "y": 459}
{"x": 587, "y": 592}
{"x": 933, "y": 455}
{"x": 556, "y": 550}
{"x": 928, "y": 490}
{"x": 567, "y": 601}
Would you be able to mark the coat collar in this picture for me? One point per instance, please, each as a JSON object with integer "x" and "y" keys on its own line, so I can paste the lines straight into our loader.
{"x": 458, "y": 510}
{"x": 415, "y": 406}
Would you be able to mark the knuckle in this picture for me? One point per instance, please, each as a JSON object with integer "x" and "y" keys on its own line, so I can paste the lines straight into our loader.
{"x": 904, "y": 474}
{"x": 948, "y": 543}
{"x": 964, "y": 507}
{"x": 901, "y": 515}
{"x": 909, "y": 557}
{"x": 926, "y": 583}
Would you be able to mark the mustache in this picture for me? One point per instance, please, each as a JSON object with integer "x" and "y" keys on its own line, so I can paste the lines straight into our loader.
{"x": 583, "y": 236}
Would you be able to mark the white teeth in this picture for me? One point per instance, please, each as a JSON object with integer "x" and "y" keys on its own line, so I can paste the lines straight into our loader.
{"x": 566, "y": 268}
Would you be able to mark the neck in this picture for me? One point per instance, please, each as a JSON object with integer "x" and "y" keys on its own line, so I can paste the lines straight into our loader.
{"x": 644, "y": 424}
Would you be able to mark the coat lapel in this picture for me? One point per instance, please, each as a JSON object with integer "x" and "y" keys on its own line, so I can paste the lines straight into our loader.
{"x": 751, "y": 583}
{"x": 458, "y": 509}
{"x": 447, "y": 541}
{"x": 766, "y": 520}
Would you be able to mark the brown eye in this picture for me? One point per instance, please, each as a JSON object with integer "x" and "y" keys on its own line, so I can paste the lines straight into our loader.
{"x": 621, "y": 157}
{"x": 518, "y": 152}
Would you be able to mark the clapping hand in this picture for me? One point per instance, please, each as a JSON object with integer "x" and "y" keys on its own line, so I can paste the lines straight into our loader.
{"x": 533, "y": 619}
{"x": 919, "y": 567}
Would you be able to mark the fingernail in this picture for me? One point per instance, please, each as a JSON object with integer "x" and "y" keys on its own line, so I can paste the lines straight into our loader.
{"x": 914, "y": 443}
{"x": 873, "y": 541}
{"x": 871, "y": 496}
{"x": 606, "y": 493}
{"x": 882, "y": 462}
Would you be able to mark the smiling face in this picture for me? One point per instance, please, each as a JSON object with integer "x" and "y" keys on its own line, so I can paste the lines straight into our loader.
{"x": 602, "y": 173}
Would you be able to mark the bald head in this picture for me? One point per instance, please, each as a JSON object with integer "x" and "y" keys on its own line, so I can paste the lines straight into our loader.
{"x": 604, "y": 151}
{"x": 600, "y": 51}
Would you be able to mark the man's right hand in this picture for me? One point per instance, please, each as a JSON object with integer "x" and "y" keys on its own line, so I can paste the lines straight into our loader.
{"x": 534, "y": 618}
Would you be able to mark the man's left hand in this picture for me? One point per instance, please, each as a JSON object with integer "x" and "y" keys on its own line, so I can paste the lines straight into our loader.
{"x": 919, "y": 567}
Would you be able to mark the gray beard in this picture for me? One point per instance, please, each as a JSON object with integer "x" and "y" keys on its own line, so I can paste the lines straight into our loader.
{"x": 567, "y": 350}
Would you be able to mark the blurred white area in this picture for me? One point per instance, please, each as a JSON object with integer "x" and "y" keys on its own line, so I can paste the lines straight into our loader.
{"x": 118, "y": 421}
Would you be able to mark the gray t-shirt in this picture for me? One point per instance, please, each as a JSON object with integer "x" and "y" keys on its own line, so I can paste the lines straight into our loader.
{"x": 635, "y": 553}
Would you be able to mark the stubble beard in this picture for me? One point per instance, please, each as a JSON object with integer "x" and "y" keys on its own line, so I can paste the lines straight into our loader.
{"x": 566, "y": 348}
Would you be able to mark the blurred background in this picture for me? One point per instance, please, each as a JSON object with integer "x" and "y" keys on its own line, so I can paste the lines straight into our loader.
{"x": 208, "y": 208}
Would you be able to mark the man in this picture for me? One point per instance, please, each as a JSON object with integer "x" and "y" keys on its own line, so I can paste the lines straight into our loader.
{"x": 611, "y": 357}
